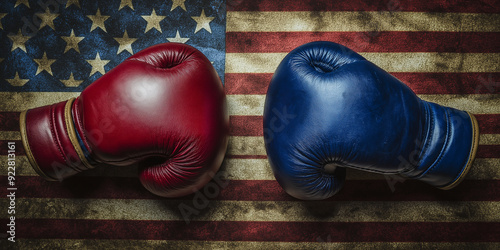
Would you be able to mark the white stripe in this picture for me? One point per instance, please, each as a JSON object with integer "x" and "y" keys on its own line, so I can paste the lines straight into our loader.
{"x": 296, "y": 21}
{"x": 10, "y": 135}
{"x": 391, "y": 62}
{"x": 489, "y": 139}
{"x": 474, "y": 103}
{"x": 19, "y": 101}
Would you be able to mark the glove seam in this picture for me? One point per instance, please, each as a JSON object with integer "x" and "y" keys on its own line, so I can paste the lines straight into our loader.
{"x": 428, "y": 139}
{"x": 77, "y": 111}
{"x": 441, "y": 154}
{"x": 429, "y": 134}
{"x": 72, "y": 136}
{"x": 55, "y": 138}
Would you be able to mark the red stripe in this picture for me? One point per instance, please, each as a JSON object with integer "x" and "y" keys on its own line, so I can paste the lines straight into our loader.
{"x": 252, "y": 125}
{"x": 257, "y": 190}
{"x": 387, "y": 41}
{"x": 9, "y": 121}
{"x": 488, "y": 151}
{"x": 19, "y": 147}
{"x": 488, "y": 123}
{"x": 258, "y": 231}
{"x": 245, "y": 125}
{"x": 486, "y": 6}
{"x": 420, "y": 83}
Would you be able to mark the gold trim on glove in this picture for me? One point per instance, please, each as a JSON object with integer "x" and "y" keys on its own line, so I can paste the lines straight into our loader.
{"x": 70, "y": 127}
{"x": 472, "y": 155}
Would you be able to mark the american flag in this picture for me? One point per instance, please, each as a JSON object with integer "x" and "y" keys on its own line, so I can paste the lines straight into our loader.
{"x": 446, "y": 51}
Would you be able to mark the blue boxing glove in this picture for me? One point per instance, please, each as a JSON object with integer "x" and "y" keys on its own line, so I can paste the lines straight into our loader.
{"x": 328, "y": 108}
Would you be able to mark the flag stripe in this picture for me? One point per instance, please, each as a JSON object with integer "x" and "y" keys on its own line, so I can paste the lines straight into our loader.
{"x": 362, "y": 5}
{"x": 259, "y": 190}
{"x": 253, "y": 147}
{"x": 254, "y": 169}
{"x": 391, "y": 62}
{"x": 488, "y": 123}
{"x": 420, "y": 83}
{"x": 9, "y": 121}
{"x": 20, "y": 101}
{"x": 397, "y": 41}
{"x": 252, "y": 125}
{"x": 488, "y": 151}
{"x": 253, "y": 105}
{"x": 258, "y": 231}
{"x": 330, "y": 211}
{"x": 356, "y": 21}
{"x": 323, "y": 242}
{"x": 489, "y": 139}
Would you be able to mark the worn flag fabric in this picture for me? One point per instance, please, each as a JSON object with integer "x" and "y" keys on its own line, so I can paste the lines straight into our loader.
{"x": 447, "y": 52}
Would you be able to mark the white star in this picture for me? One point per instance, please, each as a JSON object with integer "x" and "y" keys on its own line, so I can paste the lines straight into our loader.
{"x": 153, "y": 21}
{"x": 178, "y": 38}
{"x": 125, "y": 43}
{"x": 47, "y": 18}
{"x": 72, "y": 41}
{"x": 44, "y": 64}
{"x": 98, "y": 21}
{"x": 178, "y": 3}
{"x": 17, "y": 81}
{"x": 19, "y": 41}
{"x": 124, "y": 3}
{"x": 71, "y": 82}
{"x": 98, "y": 65}
{"x": 2, "y": 15}
{"x": 203, "y": 22}
{"x": 25, "y": 2}
{"x": 70, "y": 2}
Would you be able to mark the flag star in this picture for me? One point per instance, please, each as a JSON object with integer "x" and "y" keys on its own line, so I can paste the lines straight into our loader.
{"x": 25, "y": 2}
{"x": 71, "y": 82}
{"x": 125, "y": 43}
{"x": 19, "y": 41}
{"x": 153, "y": 21}
{"x": 47, "y": 18}
{"x": 178, "y": 38}
{"x": 72, "y": 41}
{"x": 98, "y": 21}
{"x": 75, "y": 2}
{"x": 124, "y": 3}
{"x": 17, "y": 81}
{"x": 202, "y": 22}
{"x": 97, "y": 65}
{"x": 44, "y": 64}
{"x": 2, "y": 15}
{"x": 178, "y": 3}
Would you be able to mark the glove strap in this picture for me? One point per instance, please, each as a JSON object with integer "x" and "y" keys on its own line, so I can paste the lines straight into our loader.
{"x": 472, "y": 154}
{"x": 73, "y": 135}
{"x": 50, "y": 141}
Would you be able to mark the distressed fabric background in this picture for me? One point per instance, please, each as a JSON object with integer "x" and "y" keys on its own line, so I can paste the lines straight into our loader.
{"x": 446, "y": 51}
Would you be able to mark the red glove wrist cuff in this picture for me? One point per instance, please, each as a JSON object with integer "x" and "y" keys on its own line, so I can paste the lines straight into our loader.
{"x": 49, "y": 138}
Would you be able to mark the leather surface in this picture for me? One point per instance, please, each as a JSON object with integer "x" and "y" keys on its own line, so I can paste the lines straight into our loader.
{"x": 343, "y": 110}
{"x": 163, "y": 108}
{"x": 49, "y": 143}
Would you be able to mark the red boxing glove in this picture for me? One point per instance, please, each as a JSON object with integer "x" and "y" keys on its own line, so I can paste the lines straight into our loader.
{"x": 163, "y": 108}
